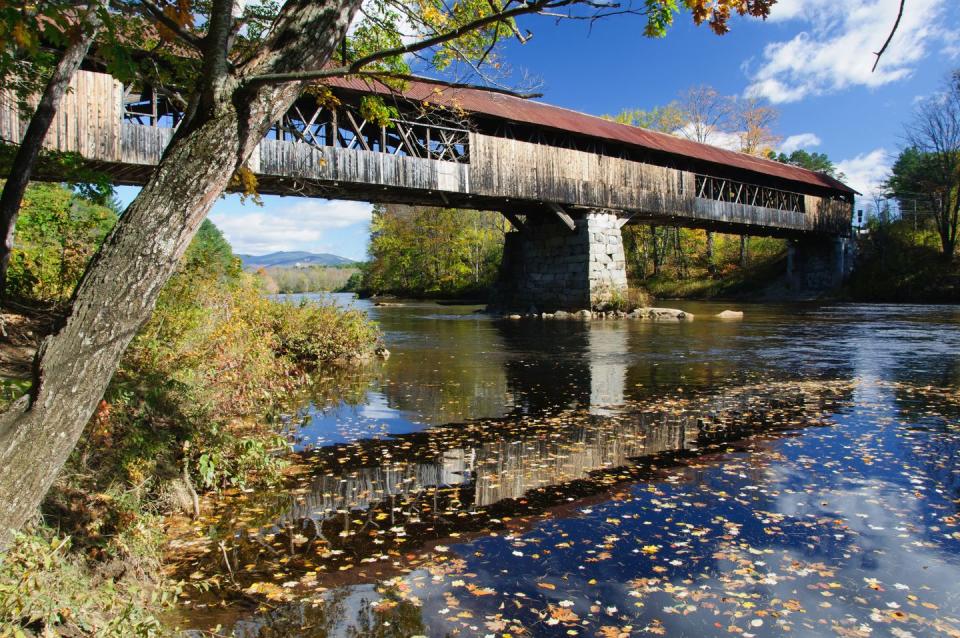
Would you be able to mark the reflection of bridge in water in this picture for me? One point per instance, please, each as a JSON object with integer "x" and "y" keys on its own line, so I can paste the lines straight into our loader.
{"x": 474, "y": 369}
{"x": 514, "y": 457}
{"x": 364, "y": 500}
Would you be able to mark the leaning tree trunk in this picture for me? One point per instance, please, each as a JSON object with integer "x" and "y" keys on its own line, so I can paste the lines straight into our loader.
{"x": 26, "y": 158}
{"x": 121, "y": 284}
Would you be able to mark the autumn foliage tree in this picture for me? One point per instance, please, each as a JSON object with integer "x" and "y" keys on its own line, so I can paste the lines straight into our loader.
{"x": 422, "y": 251}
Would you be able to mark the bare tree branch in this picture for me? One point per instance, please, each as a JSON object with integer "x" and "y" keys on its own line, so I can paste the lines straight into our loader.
{"x": 513, "y": 27}
{"x": 893, "y": 32}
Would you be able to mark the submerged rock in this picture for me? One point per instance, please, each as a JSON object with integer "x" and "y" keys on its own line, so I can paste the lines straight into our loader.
{"x": 730, "y": 314}
{"x": 662, "y": 314}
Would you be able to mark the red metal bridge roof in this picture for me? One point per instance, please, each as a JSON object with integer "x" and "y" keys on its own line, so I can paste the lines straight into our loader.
{"x": 516, "y": 109}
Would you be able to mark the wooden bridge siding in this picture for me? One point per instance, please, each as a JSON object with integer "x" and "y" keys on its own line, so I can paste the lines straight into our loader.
{"x": 829, "y": 215}
{"x": 523, "y": 170}
{"x": 302, "y": 161}
{"x": 88, "y": 120}
{"x": 143, "y": 144}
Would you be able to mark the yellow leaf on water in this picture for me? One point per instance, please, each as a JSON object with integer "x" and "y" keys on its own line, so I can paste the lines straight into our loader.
{"x": 563, "y": 614}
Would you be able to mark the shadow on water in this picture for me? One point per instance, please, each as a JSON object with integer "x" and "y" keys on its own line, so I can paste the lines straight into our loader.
{"x": 613, "y": 479}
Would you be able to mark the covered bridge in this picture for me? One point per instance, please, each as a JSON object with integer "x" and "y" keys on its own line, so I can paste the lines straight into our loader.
{"x": 567, "y": 181}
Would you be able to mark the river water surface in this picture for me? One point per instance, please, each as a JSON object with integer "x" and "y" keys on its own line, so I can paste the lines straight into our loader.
{"x": 794, "y": 473}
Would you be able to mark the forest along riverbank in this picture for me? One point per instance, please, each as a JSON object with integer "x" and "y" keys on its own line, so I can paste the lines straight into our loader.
{"x": 789, "y": 471}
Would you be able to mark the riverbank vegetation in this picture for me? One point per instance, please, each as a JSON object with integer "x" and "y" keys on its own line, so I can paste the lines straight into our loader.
{"x": 439, "y": 252}
{"x": 188, "y": 411}
{"x": 686, "y": 263}
{"x": 908, "y": 253}
{"x": 424, "y": 252}
{"x": 309, "y": 279}
{"x": 901, "y": 261}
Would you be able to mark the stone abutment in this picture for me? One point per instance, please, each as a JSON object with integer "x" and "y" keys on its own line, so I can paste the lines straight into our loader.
{"x": 548, "y": 267}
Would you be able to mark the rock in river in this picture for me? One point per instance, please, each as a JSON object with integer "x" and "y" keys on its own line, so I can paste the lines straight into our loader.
{"x": 667, "y": 314}
{"x": 730, "y": 314}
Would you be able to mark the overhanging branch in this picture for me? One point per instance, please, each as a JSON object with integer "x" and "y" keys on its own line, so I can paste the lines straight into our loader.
{"x": 356, "y": 66}
{"x": 151, "y": 10}
{"x": 407, "y": 77}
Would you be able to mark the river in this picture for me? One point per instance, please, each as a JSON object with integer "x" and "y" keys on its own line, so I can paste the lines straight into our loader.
{"x": 794, "y": 473}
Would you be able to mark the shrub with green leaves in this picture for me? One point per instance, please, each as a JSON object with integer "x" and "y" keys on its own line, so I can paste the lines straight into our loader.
{"x": 56, "y": 234}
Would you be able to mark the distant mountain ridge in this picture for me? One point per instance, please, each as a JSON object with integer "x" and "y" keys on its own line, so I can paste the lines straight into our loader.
{"x": 293, "y": 259}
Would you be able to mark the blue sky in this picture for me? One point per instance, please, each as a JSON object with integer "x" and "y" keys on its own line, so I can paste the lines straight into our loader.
{"x": 811, "y": 60}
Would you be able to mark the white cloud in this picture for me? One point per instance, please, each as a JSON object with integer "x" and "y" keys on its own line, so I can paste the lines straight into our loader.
{"x": 835, "y": 51}
{"x": 731, "y": 140}
{"x": 286, "y": 224}
{"x": 372, "y": 13}
{"x": 867, "y": 171}
{"x": 951, "y": 46}
{"x": 715, "y": 137}
{"x": 801, "y": 140}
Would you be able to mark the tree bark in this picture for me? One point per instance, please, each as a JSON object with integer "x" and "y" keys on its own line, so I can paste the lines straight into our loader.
{"x": 120, "y": 287}
{"x": 948, "y": 226}
{"x": 656, "y": 251}
{"x": 711, "y": 266}
{"x": 29, "y": 151}
{"x": 744, "y": 250}
{"x": 681, "y": 255}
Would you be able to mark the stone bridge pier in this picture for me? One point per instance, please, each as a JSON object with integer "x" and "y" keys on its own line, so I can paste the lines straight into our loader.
{"x": 815, "y": 265}
{"x": 549, "y": 266}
